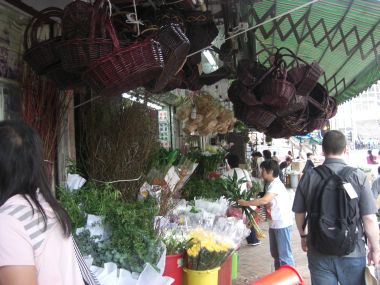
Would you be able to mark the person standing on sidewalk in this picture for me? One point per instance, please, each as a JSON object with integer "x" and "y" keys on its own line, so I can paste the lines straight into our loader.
{"x": 281, "y": 219}
{"x": 330, "y": 269}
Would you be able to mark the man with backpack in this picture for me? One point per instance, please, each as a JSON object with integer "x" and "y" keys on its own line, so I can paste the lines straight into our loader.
{"x": 334, "y": 207}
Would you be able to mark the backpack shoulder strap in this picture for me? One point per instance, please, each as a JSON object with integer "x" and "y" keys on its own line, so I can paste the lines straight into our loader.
{"x": 346, "y": 171}
{"x": 324, "y": 172}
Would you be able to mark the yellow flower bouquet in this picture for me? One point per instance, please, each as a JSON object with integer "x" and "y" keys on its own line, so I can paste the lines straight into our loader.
{"x": 207, "y": 250}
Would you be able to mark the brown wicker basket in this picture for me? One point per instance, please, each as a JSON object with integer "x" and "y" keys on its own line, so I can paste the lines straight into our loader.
{"x": 76, "y": 22}
{"x": 41, "y": 55}
{"x": 248, "y": 97}
{"x": 277, "y": 92}
{"x": 78, "y": 53}
{"x": 260, "y": 117}
{"x": 125, "y": 68}
{"x": 175, "y": 47}
{"x": 298, "y": 103}
{"x": 304, "y": 76}
{"x": 277, "y": 130}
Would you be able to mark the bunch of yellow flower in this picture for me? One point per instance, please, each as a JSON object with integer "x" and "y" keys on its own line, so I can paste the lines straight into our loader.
{"x": 206, "y": 250}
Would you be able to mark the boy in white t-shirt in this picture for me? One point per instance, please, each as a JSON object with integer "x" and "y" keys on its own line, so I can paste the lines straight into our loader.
{"x": 281, "y": 219}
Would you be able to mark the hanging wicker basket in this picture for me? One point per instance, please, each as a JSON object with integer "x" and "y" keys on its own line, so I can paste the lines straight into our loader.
{"x": 78, "y": 53}
{"x": 76, "y": 22}
{"x": 175, "y": 47}
{"x": 304, "y": 75}
{"x": 125, "y": 68}
{"x": 40, "y": 55}
{"x": 260, "y": 117}
{"x": 277, "y": 91}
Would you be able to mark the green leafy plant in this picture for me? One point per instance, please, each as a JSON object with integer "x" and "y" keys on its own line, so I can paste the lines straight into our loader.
{"x": 198, "y": 187}
{"x": 231, "y": 191}
{"x": 132, "y": 242}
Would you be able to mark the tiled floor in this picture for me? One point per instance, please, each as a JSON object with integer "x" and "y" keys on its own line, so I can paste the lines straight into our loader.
{"x": 256, "y": 261}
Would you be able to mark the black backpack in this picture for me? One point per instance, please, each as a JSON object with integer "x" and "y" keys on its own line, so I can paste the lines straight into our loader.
{"x": 333, "y": 217}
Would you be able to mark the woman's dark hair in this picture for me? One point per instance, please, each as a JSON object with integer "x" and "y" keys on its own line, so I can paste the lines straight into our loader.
{"x": 233, "y": 160}
{"x": 271, "y": 165}
{"x": 267, "y": 154}
{"x": 22, "y": 170}
{"x": 257, "y": 154}
{"x": 334, "y": 143}
{"x": 369, "y": 151}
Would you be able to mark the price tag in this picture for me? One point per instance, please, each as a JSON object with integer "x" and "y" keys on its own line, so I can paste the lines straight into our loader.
{"x": 350, "y": 190}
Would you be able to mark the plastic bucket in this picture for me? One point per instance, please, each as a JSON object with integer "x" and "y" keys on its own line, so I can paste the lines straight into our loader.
{"x": 225, "y": 272}
{"x": 235, "y": 258}
{"x": 174, "y": 268}
{"x": 285, "y": 275}
{"x": 204, "y": 277}
{"x": 294, "y": 179}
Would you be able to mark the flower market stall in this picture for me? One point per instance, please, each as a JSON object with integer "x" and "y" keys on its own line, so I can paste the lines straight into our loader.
{"x": 138, "y": 103}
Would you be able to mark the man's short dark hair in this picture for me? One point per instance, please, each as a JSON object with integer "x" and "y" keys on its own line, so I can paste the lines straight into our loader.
{"x": 334, "y": 142}
{"x": 309, "y": 154}
{"x": 274, "y": 153}
{"x": 267, "y": 154}
{"x": 233, "y": 160}
{"x": 271, "y": 165}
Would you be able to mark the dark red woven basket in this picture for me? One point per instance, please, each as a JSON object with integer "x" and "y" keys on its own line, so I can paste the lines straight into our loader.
{"x": 41, "y": 55}
{"x": 175, "y": 47}
{"x": 296, "y": 122}
{"x": 297, "y": 103}
{"x": 277, "y": 130}
{"x": 315, "y": 124}
{"x": 76, "y": 22}
{"x": 276, "y": 92}
{"x": 78, "y": 53}
{"x": 126, "y": 68}
{"x": 247, "y": 96}
{"x": 260, "y": 117}
{"x": 304, "y": 76}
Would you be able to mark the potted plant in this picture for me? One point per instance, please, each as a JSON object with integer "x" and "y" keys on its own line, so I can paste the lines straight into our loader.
{"x": 175, "y": 241}
{"x": 205, "y": 253}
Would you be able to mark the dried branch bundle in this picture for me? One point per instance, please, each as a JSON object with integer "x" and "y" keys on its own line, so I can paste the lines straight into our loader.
{"x": 119, "y": 139}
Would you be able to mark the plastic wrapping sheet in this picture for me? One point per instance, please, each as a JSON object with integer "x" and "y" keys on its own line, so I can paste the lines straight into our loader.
{"x": 111, "y": 275}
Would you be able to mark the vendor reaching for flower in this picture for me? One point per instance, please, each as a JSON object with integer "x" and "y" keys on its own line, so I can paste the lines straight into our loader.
{"x": 281, "y": 220}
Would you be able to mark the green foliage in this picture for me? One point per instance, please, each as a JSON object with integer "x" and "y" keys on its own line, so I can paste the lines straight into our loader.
{"x": 133, "y": 241}
{"x": 231, "y": 191}
{"x": 198, "y": 187}
{"x": 207, "y": 163}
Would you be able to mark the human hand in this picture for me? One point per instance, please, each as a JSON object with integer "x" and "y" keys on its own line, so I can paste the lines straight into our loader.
{"x": 243, "y": 202}
{"x": 373, "y": 257}
{"x": 303, "y": 244}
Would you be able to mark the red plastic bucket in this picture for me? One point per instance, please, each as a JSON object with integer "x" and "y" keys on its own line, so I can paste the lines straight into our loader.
{"x": 174, "y": 268}
{"x": 225, "y": 272}
{"x": 285, "y": 275}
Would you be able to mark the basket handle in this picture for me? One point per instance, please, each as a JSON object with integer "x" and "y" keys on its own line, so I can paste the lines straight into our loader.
{"x": 94, "y": 15}
{"x": 36, "y": 20}
{"x": 291, "y": 54}
{"x": 53, "y": 13}
{"x": 109, "y": 27}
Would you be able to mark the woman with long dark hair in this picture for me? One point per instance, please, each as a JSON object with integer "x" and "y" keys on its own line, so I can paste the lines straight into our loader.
{"x": 36, "y": 247}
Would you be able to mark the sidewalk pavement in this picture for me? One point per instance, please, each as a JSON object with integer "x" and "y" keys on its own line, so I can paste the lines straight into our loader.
{"x": 256, "y": 261}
